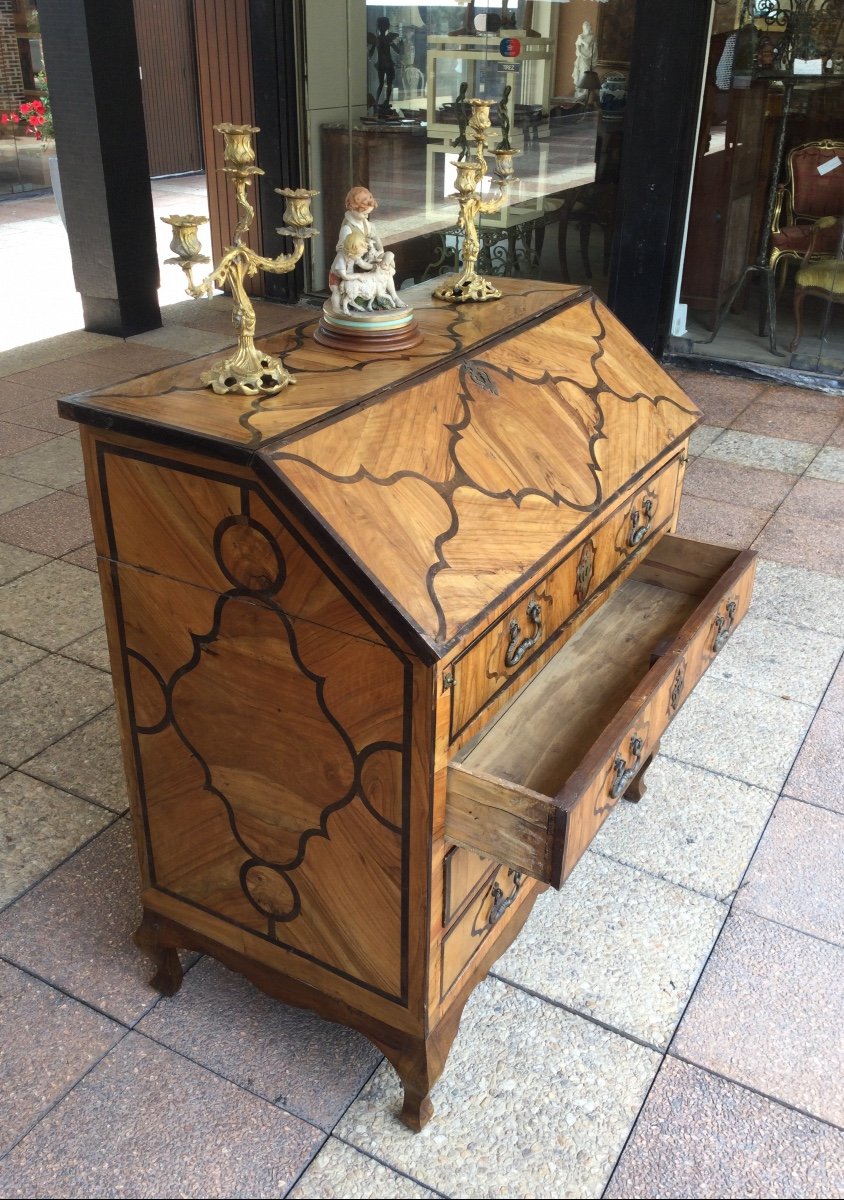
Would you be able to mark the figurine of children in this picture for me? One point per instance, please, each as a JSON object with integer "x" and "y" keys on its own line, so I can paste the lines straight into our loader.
{"x": 359, "y": 203}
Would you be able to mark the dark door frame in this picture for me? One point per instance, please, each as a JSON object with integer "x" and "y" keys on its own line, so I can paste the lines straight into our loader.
{"x": 276, "y": 85}
{"x": 666, "y": 76}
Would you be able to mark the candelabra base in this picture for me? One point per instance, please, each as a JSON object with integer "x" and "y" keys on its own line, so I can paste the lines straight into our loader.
{"x": 460, "y": 289}
{"x": 249, "y": 373}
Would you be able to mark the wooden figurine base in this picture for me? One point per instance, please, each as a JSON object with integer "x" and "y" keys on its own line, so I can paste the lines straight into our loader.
{"x": 381, "y": 332}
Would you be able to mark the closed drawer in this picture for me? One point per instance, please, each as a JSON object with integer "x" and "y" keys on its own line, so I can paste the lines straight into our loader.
{"x": 539, "y": 618}
{"x": 462, "y": 872}
{"x": 532, "y": 789}
{"x": 465, "y": 938}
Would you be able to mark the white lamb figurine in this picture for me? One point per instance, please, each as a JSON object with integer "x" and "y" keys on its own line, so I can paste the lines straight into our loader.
{"x": 363, "y": 291}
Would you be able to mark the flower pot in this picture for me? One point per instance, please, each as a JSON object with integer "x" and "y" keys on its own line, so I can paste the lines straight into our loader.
{"x": 56, "y": 184}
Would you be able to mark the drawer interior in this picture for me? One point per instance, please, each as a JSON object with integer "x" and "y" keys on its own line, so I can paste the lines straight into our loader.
{"x": 539, "y": 739}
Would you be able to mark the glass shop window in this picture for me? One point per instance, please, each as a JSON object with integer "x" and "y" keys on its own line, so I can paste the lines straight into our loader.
{"x": 386, "y": 88}
{"x": 763, "y": 275}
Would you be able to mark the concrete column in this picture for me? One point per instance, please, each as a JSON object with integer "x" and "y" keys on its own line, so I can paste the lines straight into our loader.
{"x": 91, "y": 58}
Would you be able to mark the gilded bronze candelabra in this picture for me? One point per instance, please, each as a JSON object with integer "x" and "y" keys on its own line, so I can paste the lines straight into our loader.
{"x": 248, "y": 371}
{"x": 470, "y": 175}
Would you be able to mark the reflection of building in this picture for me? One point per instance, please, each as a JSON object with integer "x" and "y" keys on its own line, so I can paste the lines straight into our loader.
{"x": 622, "y": 177}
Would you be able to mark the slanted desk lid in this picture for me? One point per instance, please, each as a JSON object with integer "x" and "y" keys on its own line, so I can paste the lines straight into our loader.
{"x": 444, "y": 494}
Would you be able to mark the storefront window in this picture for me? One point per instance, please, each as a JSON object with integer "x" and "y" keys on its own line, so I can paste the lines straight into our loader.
{"x": 763, "y": 276}
{"x": 385, "y": 85}
{"x": 23, "y": 165}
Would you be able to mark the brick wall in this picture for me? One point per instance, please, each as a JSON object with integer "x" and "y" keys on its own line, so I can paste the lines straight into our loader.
{"x": 11, "y": 79}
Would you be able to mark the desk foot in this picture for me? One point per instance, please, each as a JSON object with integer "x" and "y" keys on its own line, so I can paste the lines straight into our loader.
{"x": 168, "y": 975}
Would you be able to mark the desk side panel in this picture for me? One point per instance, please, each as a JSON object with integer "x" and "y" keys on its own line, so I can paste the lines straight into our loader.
{"x": 278, "y": 763}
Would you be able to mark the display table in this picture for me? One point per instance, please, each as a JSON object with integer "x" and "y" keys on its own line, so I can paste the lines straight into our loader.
{"x": 388, "y": 647}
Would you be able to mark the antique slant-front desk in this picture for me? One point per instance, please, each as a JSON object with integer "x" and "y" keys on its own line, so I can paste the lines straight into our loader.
{"x": 389, "y": 646}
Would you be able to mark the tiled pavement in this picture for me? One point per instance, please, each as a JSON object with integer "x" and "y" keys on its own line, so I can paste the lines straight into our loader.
{"x": 670, "y": 1024}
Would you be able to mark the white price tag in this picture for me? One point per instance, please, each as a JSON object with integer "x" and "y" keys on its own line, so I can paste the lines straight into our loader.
{"x": 829, "y": 165}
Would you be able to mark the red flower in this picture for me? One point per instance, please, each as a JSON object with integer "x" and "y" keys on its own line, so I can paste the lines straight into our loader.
{"x": 36, "y": 120}
{"x": 4, "y": 119}
{"x": 37, "y": 106}
{"x": 16, "y": 118}
{"x": 24, "y": 108}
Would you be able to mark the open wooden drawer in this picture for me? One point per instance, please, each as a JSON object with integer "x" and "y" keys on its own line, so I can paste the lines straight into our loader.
{"x": 535, "y": 786}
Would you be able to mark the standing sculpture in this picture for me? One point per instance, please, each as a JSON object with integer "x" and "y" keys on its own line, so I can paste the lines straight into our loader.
{"x": 384, "y": 46}
{"x": 584, "y": 58}
{"x": 461, "y": 111}
{"x": 248, "y": 371}
{"x": 504, "y": 118}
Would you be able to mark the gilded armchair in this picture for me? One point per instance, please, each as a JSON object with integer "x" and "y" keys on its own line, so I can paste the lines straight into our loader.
{"x": 813, "y": 191}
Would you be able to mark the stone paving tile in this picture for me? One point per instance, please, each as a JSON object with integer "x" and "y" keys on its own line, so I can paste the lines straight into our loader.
{"x": 53, "y": 525}
{"x": 88, "y": 762}
{"x": 131, "y": 360}
{"x": 766, "y": 453}
{"x": 718, "y": 393}
{"x": 51, "y": 606}
{"x": 15, "y": 656}
{"x": 796, "y": 399}
{"x": 709, "y": 479}
{"x": 816, "y": 498}
{"x": 91, "y": 649}
{"x": 339, "y": 1171}
{"x": 815, "y": 775}
{"x": 75, "y": 928}
{"x": 836, "y": 438}
{"x": 719, "y": 523}
{"x": 803, "y": 542}
{"x": 40, "y": 415}
{"x": 768, "y": 1013}
{"x": 189, "y": 342}
{"x": 15, "y": 438}
{"x": 85, "y": 556}
{"x": 15, "y": 492}
{"x": 797, "y": 596}
{"x": 796, "y": 664}
{"x": 45, "y": 701}
{"x": 617, "y": 945}
{"x": 15, "y": 561}
{"x": 309, "y": 1066}
{"x": 40, "y": 827}
{"x": 834, "y": 698}
{"x": 699, "y": 1136}
{"x": 829, "y": 464}
{"x": 702, "y": 437}
{"x": 147, "y": 1123}
{"x": 67, "y": 377}
{"x": 738, "y": 731}
{"x": 797, "y": 873}
{"x": 17, "y": 395}
{"x": 48, "y": 1041}
{"x": 797, "y": 425}
{"x": 692, "y": 828}
{"x": 515, "y": 1060}
{"x": 47, "y": 351}
{"x": 56, "y": 464}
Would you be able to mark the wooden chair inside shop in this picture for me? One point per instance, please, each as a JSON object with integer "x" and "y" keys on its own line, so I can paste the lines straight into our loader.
{"x": 814, "y": 192}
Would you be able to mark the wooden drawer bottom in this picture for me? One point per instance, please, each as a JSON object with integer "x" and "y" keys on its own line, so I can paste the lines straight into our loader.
{"x": 534, "y": 787}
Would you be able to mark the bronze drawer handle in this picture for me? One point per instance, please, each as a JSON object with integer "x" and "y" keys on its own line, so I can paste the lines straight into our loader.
{"x": 724, "y": 625}
{"x": 500, "y": 902}
{"x": 516, "y": 650}
{"x": 625, "y": 775}
{"x": 637, "y": 531}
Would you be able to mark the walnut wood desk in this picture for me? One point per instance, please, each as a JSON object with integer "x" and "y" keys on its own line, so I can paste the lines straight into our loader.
{"x": 388, "y": 647}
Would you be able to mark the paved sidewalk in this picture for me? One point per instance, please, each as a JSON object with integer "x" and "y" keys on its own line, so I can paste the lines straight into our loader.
{"x": 670, "y": 1024}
